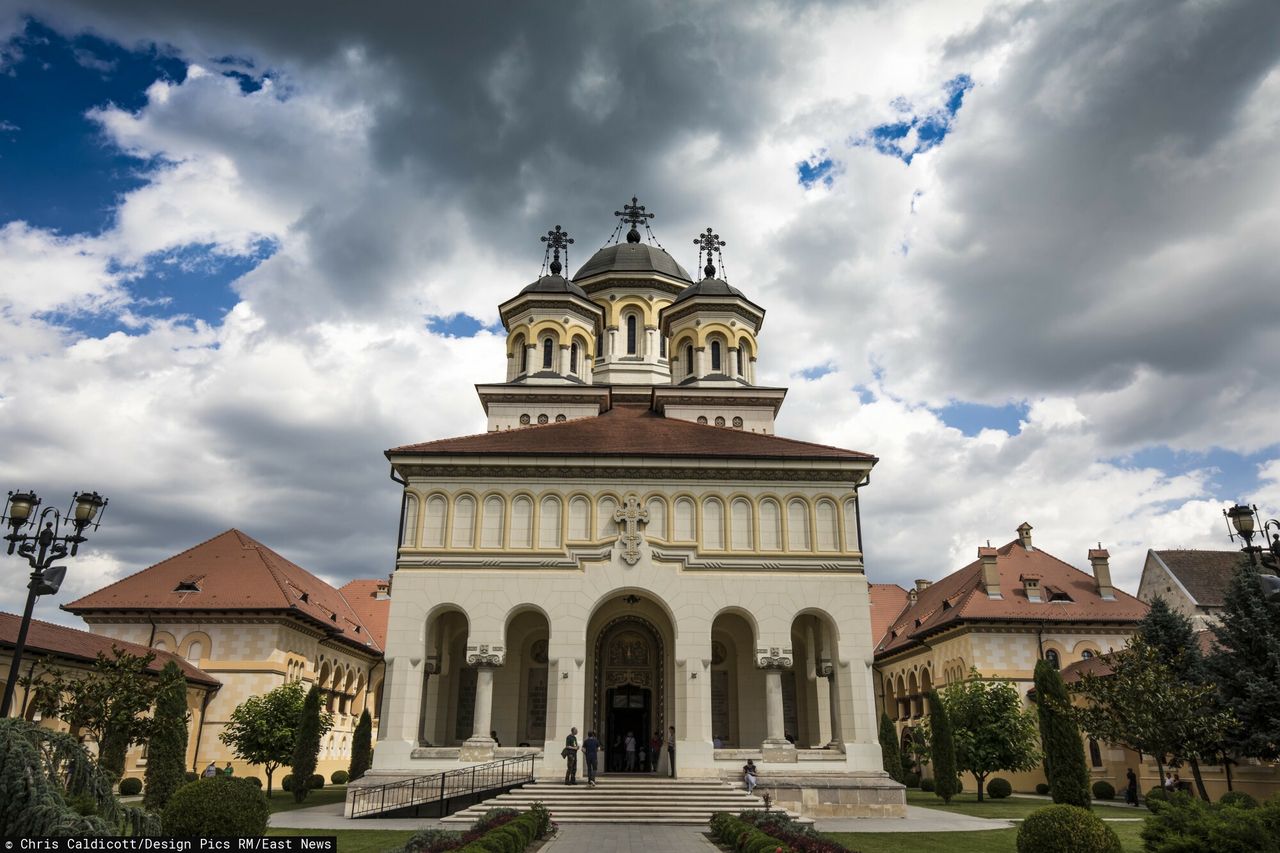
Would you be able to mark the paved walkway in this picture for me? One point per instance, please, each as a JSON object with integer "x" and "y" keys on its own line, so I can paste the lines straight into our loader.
{"x": 630, "y": 838}
{"x": 330, "y": 817}
{"x": 918, "y": 819}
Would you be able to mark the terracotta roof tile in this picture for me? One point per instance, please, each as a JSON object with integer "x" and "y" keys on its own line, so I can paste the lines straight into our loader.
{"x": 1100, "y": 665}
{"x": 632, "y": 430}
{"x": 49, "y": 639}
{"x": 233, "y": 571}
{"x": 1205, "y": 574}
{"x": 373, "y": 611}
{"x": 887, "y": 601}
{"x": 960, "y": 597}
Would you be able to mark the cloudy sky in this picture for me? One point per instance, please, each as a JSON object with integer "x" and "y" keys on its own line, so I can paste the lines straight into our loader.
{"x": 1023, "y": 252}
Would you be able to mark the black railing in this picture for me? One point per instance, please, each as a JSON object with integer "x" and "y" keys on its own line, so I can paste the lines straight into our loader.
{"x": 443, "y": 793}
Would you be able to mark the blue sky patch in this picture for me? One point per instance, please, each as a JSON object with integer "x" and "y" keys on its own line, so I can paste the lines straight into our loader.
{"x": 458, "y": 325}
{"x": 818, "y": 169}
{"x": 817, "y": 371}
{"x": 1235, "y": 477}
{"x": 916, "y": 133}
{"x": 973, "y": 418}
{"x": 57, "y": 171}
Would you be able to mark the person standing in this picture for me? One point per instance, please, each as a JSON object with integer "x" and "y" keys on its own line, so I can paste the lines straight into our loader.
{"x": 671, "y": 750}
{"x": 210, "y": 771}
{"x": 655, "y": 745}
{"x": 570, "y": 753}
{"x": 1131, "y": 789}
{"x": 631, "y": 752}
{"x": 590, "y": 749}
{"x": 227, "y": 771}
{"x": 1168, "y": 780}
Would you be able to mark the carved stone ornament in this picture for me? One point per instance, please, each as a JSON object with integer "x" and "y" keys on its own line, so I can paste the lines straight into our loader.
{"x": 539, "y": 651}
{"x": 773, "y": 658}
{"x": 630, "y": 516}
{"x": 718, "y": 652}
{"x": 486, "y": 656}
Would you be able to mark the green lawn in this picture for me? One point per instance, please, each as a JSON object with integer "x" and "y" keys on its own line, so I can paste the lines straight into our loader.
{"x": 355, "y": 840}
{"x": 282, "y": 801}
{"x": 987, "y": 841}
{"x": 1009, "y": 808}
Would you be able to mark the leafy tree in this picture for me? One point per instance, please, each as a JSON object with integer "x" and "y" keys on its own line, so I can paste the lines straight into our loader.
{"x": 1144, "y": 705}
{"x": 167, "y": 753}
{"x": 1246, "y": 665}
{"x": 361, "y": 748}
{"x": 307, "y": 746}
{"x": 918, "y": 747}
{"x": 890, "y": 756}
{"x": 991, "y": 729}
{"x": 1064, "y": 761}
{"x": 943, "y": 749}
{"x": 109, "y": 704}
{"x": 263, "y": 729}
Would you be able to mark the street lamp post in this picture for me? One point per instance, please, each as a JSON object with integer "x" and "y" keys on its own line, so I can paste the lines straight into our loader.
{"x": 41, "y": 550}
{"x": 1243, "y": 523}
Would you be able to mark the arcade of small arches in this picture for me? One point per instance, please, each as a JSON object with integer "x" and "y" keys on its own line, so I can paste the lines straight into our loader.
{"x": 716, "y": 522}
{"x": 507, "y": 687}
{"x": 193, "y": 647}
{"x": 904, "y": 693}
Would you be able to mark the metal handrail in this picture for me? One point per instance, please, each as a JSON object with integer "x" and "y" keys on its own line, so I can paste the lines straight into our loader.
{"x": 442, "y": 787}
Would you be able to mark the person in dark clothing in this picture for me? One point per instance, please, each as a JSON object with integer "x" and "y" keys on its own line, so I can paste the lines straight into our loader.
{"x": 590, "y": 749}
{"x": 570, "y": 754}
{"x": 671, "y": 750}
{"x": 1131, "y": 789}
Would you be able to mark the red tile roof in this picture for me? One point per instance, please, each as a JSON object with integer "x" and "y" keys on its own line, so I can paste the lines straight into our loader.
{"x": 960, "y": 598}
{"x": 373, "y": 611}
{"x": 45, "y": 638}
{"x": 1204, "y": 574}
{"x": 631, "y": 430}
{"x": 1099, "y": 666}
{"x": 887, "y": 602}
{"x": 233, "y": 571}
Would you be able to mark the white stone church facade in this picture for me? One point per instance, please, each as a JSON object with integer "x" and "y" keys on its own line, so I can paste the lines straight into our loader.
{"x": 630, "y": 548}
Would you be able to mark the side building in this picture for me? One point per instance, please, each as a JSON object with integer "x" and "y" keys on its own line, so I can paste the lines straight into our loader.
{"x": 251, "y": 620}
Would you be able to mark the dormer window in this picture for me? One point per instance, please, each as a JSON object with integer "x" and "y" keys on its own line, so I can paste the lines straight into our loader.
{"x": 304, "y": 597}
{"x": 187, "y": 586}
{"x": 1058, "y": 595}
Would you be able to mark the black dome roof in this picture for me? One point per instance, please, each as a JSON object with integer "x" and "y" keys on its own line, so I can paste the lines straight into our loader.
{"x": 632, "y": 257}
{"x": 556, "y": 284}
{"x": 709, "y": 287}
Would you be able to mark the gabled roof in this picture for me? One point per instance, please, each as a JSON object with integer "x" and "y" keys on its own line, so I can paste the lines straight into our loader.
{"x": 45, "y": 638}
{"x": 1204, "y": 574}
{"x": 233, "y": 572}
{"x": 369, "y": 599}
{"x": 631, "y": 430}
{"x": 887, "y": 603}
{"x": 960, "y": 598}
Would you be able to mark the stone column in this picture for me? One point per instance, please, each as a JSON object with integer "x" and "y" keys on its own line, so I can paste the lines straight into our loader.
{"x": 564, "y": 359}
{"x": 828, "y": 671}
{"x": 480, "y": 746}
{"x": 700, "y": 359}
{"x": 776, "y": 747}
{"x": 733, "y": 363}
{"x": 402, "y": 689}
{"x": 651, "y": 344}
{"x": 533, "y": 359}
{"x": 611, "y": 343}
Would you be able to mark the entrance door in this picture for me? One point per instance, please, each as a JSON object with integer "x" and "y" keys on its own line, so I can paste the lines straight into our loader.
{"x": 629, "y": 711}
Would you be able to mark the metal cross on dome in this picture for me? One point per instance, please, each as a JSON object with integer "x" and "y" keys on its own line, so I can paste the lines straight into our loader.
{"x": 631, "y": 515}
{"x": 556, "y": 240}
{"x": 709, "y": 242}
{"x": 634, "y": 214}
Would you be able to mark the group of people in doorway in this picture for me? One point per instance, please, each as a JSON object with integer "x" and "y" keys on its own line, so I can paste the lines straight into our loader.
{"x": 625, "y": 755}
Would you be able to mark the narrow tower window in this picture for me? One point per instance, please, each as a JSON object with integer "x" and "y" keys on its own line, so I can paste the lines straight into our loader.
{"x": 631, "y": 335}
{"x": 546, "y": 353}
{"x": 742, "y": 373}
{"x": 662, "y": 347}
{"x": 573, "y": 358}
{"x": 715, "y": 355}
{"x": 688, "y": 356}
{"x": 524, "y": 358}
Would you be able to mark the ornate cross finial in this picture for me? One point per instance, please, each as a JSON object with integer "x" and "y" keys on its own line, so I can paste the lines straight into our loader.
{"x": 631, "y": 515}
{"x": 557, "y": 240}
{"x": 633, "y": 214}
{"x": 709, "y": 243}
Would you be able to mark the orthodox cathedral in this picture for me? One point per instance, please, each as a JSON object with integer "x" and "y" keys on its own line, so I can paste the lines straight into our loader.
{"x": 630, "y": 548}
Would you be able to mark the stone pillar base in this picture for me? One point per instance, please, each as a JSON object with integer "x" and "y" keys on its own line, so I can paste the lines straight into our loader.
{"x": 477, "y": 749}
{"x": 778, "y": 752}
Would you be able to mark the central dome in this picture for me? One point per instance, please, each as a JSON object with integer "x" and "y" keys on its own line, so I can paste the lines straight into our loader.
{"x": 632, "y": 257}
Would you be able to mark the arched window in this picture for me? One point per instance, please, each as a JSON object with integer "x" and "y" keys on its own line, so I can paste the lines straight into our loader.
{"x": 1052, "y": 657}
{"x": 1086, "y": 654}
{"x": 573, "y": 357}
{"x": 546, "y": 353}
{"x": 662, "y": 347}
{"x": 741, "y": 372}
{"x": 599, "y": 346}
{"x": 1095, "y": 753}
{"x": 688, "y": 359}
{"x": 631, "y": 334}
{"x": 715, "y": 355}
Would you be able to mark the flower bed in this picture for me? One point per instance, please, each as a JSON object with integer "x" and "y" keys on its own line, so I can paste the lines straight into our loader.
{"x": 497, "y": 831}
{"x": 770, "y": 832}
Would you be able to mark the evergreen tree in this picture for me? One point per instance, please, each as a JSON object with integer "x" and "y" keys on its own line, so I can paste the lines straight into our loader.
{"x": 1064, "y": 762}
{"x": 167, "y": 755}
{"x": 306, "y": 748}
{"x": 361, "y": 747}
{"x": 1246, "y": 665}
{"x": 889, "y": 753}
{"x": 946, "y": 782}
{"x": 990, "y": 728}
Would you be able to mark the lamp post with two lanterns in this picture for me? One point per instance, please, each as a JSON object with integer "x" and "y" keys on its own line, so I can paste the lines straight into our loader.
{"x": 1243, "y": 522}
{"x": 52, "y": 542}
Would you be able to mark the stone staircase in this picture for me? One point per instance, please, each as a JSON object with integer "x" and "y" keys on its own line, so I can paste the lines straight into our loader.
{"x": 624, "y": 799}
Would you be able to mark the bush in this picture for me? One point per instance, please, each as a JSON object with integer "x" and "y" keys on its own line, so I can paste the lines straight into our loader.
{"x": 286, "y": 784}
{"x": 432, "y": 841}
{"x": 190, "y": 776}
{"x": 253, "y": 780}
{"x": 959, "y": 785}
{"x": 338, "y": 777}
{"x": 494, "y": 817}
{"x": 1066, "y": 829}
{"x": 1238, "y": 799}
{"x": 220, "y": 806}
{"x": 1042, "y": 789}
{"x": 130, "y": 786}
{"x": 911, "y": 780}
{"x": 317, "y": 781}
{"x": 1157, "y": 794}
{"x": 1183, "y": 824}
{"x": 1104, "y": 790}
{"x": 927, "y": 785}
{"x": 998, "y": 789}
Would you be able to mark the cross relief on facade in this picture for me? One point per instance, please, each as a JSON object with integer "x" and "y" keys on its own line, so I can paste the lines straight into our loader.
{"x": 631, "y": 515}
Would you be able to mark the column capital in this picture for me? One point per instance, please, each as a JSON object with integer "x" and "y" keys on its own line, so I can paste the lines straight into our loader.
{"x": 486, "y": 656}
{"x": 773, "y": 657}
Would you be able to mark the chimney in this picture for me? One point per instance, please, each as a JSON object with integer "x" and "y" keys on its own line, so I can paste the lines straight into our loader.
{"x": 990, "y": 574}
{"x": 1024, "y": 536}
{"x": 1031, "y": 585}
{"x": 1101, "y": 562}
{"x": 922, "y": 584}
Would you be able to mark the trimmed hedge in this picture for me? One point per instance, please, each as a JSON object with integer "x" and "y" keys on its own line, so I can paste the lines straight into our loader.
{"x": 998, "y": 788}
{"x": 1104, "y": 790}
{"x": 504, "y": 834}
{"x": 1042, "y": 789}
{"x": 1066, "y": 829}
{"x": 286, "y": 784}
{"x": 1156, "y": 794}
{"x": 767, "y": 832}
{"x": 1186, "y": 824}
{"x": 253, "y": 780}
{"x": 338, "y": 777}
{"x": 927, "y": 785}
{"x": 219, "y": 806}
{"x": 1238, "y": 799}
{"x": 911, "y": 780}
{"x": 130, "y": 786}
